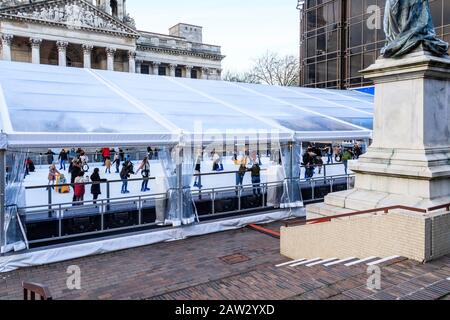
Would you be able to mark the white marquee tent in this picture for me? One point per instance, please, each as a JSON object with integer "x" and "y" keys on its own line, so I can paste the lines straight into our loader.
{"x": 50, "y": 106}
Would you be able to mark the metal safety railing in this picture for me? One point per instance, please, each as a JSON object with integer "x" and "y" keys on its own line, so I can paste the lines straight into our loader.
{"x": 101, "y": 208}
{"x": 212, "y": 203}
{"x": 385, "y": 210}
{"x": 40, "y": 159}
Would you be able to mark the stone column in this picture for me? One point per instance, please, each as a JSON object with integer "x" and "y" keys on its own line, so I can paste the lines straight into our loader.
{"x": 139, "y": 65}
{"x": 218, "y": 74}
{"x": 35, "y": 50}
{"x": 205, "y": 73}
{"x": 188, "y": 71}
{"x": 132, "y": 61}
{"x": 156, "y": 65}
{"x": 172, "y": 68}
{"x": 6, "y": 46}
{"x": 110, "y": 52}
{"x": 87, "y": 55}
{"x": 62, "y": 52}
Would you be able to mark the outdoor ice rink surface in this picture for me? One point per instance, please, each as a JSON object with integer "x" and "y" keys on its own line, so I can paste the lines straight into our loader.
{"x": 39, "y": 197}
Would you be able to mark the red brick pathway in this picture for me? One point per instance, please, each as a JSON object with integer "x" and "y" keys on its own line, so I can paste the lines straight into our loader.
{"x": 195, "y": 269}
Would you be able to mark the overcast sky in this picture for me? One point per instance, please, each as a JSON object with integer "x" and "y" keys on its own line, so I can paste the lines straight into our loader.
{"x": 244, "y": 28}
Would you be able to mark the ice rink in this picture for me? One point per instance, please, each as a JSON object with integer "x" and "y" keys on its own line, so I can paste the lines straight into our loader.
{"x": 39, "y": 197}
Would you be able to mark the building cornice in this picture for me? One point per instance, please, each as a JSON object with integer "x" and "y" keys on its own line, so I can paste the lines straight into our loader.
{"x": 204, "y": 55}
{"x": 12, "y": 14}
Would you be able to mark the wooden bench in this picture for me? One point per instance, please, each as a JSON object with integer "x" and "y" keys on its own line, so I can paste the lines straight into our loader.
{"x": 30, "y": 290}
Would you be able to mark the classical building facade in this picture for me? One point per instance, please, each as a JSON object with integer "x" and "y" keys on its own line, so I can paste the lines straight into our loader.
{"x": 100, "y": 34}
{"x": 338, "y": 38}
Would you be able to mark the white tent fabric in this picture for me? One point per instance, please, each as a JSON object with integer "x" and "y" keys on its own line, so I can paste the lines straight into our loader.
{"x": 51, "y": 106}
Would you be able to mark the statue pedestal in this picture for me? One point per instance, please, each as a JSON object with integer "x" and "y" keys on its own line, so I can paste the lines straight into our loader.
{"x": 409, "y": 160}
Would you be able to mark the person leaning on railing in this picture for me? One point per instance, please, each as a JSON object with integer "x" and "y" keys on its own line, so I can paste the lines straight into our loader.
{"x": 256, "y": 178}
{"x": 96, "y": 189}
{"x": 346, "y": 156}
{"x": 80, "y": 187}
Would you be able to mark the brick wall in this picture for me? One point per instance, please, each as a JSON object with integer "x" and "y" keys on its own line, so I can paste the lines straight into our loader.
{"x": 409, "y": 235}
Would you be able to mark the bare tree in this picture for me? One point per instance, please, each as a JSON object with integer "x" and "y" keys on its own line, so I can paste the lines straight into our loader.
{"x": 272, "y": 69}
{"x": 245, "y": 77}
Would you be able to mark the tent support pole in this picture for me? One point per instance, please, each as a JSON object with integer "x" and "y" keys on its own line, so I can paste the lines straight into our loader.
{"x": 291, "y": 170}
{"x": 180, "y": 182}
{"x": 2, "y": 199}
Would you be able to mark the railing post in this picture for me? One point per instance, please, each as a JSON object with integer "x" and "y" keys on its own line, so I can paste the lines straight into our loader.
{"x": 263, "y": 191}
{"x": 2, "y": 199}
{"x": 49, "y": 198}
{"x": 60, "y": 224}
{"x": 213, "y": 198}
{"x": 325, "y": 173}
{"x": 102, "y": 219}
{"x": 140, "y": 210}
{"x": 108, "y": 195}
{"x": 239, "y": 198}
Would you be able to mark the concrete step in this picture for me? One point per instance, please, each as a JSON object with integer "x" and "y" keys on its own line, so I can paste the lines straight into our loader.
{"x": 333, "y": 262}
{"x": 321, "y": 210}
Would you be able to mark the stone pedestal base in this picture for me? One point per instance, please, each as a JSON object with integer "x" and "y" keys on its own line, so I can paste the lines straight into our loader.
{"x": 409, "y": 160}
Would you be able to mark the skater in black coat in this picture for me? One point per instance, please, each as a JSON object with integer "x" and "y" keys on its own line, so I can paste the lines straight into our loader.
{"x": 96, "y": 189}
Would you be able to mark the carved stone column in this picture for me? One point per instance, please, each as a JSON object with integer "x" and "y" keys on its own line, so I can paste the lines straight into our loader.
{"x": 172, "y": 68}
{"x": 110, "y": 52}
{"x": 205, "y": 72}
{"x": 35, "y": 50}
{"x": 62, "y": 53}
{"x": 87, "y": 55}
{"x": 6, "y": 46}
{"x": 132, "y": 61}
{"x": 156, "y": 65}
{"x": 188, "y": 71}
{"x": 139, "y": 65}
{"x": 218, "y": 74}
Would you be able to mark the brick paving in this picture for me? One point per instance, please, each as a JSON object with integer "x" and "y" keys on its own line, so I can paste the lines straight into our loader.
{"x": 195, "y": 269}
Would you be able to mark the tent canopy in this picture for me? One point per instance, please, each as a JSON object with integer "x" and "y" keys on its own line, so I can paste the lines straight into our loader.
{"x": 50, "y": 106}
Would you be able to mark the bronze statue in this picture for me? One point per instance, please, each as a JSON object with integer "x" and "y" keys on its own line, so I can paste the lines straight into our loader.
{"x": 408, "y": 24}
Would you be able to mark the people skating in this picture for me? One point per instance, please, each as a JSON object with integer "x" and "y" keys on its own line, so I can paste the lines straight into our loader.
{"x": 30, "y": 167}
{"x": 106, "y": 153}
{"x": 256, "y": 178}
{"x": 346, "y": 156}
{"x": 150, "y": 153}
{"x": 63, "y": 157}
{"x": 144, "y": 168}
{"x": 197, "y": 170}
{"x": 96, "y": 189}
{"x": 338, "y": 153}
{"x": 216, "y": 162}
{"x": 329, "y": 152}
{"x": 50, "y": 156}
{"x": 61, "y": 185}
{"x": 84, "y": 161}
{"x": 80, "y": 188}
{"x": 108, "y": 165}
{"x": 308, "y": 163}
{"x": 52, "y": 173}
{"x": 124, "y": 175}
{"x": 116, "y": 162}
{"x": 357, "y": 151}
{"x": 121, "y": 155}
{"x": 75, "y": 170}
{"x": 242, "y": 169}
{"x": 72, "y": 154}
